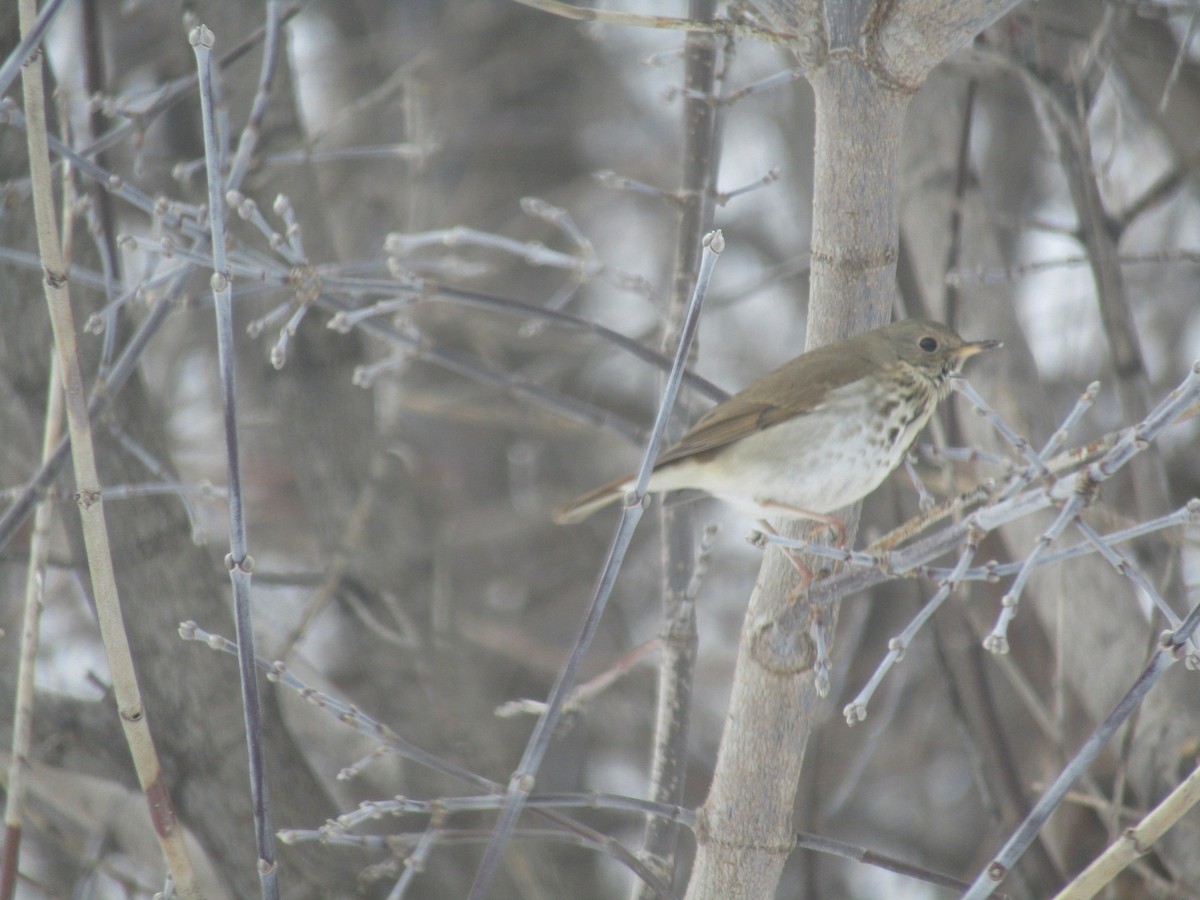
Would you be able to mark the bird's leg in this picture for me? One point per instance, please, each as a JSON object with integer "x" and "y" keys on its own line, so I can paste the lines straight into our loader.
{"x": 838, "y": 526}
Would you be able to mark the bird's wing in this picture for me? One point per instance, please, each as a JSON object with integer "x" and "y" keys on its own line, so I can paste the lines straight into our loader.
{"x": 705, "y": 436}
{"x": 748, "y": 411}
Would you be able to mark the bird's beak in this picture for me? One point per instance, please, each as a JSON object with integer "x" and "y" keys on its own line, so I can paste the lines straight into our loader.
{"x": 970, "y": 348}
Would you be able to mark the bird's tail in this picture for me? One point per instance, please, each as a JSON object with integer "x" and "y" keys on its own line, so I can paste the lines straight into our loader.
{"x": 597, "y": 498}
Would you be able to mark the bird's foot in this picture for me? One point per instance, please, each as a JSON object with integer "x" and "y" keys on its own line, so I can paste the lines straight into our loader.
{"x": 837, "y": 525}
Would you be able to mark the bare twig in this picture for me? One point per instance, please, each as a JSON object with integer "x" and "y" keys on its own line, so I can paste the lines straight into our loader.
{"x": 524, "y": 777}
{"x": 31, "y": 37}
{"x": 35, "y": 581}
{"x": 1134, "y": 842}
{"x": 1171, "y": 649}
{"x": 699, "y": 167}
{"x": 250, "y": 134}
{"x": 88, "y": 497}
{"x": 239, "y": 562}
{"x": 389, "y": 742}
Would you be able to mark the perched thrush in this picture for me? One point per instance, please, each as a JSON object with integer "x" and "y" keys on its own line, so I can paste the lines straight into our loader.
{"x": 816, "y": 434}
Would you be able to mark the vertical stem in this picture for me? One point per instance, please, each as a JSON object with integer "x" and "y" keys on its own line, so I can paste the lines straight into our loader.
{"x": 1100, "y": 237}
{"x": 35, "y": 581}
{"x": 522, "y": 782}
{"x": 742, "y": 846}
{"x": 678, "y": 640}
{"x": 239, "y": 561}
{"x": 130, "y": 706}
{"x": 855, "y": 226}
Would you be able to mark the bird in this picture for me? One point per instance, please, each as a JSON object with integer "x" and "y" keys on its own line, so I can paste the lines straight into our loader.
{"x": 818, "y": 433}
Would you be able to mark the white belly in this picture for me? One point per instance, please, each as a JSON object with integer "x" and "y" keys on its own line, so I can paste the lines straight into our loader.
{"x": 818, "y": 463}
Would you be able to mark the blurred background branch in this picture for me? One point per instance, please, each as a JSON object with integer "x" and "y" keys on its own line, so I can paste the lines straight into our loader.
{"x": 459, "y": 234}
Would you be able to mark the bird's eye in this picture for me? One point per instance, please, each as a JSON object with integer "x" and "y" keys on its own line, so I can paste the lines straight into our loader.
{"x": 928, "y": 344}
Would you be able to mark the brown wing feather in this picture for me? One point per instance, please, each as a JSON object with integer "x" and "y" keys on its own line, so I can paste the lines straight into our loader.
{"x": 791, "y": 390}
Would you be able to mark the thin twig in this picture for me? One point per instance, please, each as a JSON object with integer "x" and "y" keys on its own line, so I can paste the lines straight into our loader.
{"x": 30, "y": 38}
{"x": 102, "y": 394}
{"x": 239, "y": 562}
{"x": 351, "y": 716}
{"x": 88, "y": 496}
{"x": 524, "y": 777}
{"x": 699, "y": 167}
{"x": 258, "y": 109}
{"x": 1171, "y": 649}
{"x": 35, "y": 581}
{"x": 1135, "y": 842}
